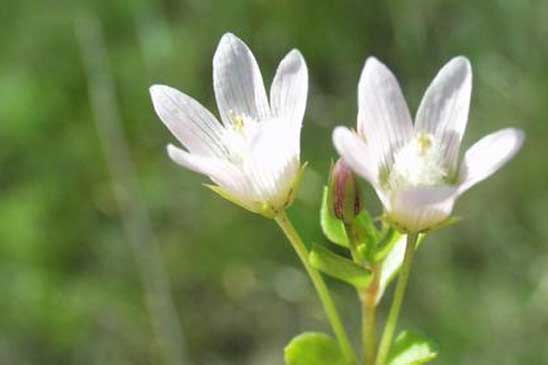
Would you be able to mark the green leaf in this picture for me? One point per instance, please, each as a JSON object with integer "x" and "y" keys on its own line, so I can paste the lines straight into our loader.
{"x": 386, "y": 244}
{"x": 365, "y": 224}
{"x": 339, "y": 267}
{"x": 332, "y": 227}
{"x": 392, "y": 262}
{"x": 313, "y": 348}
{"x": 412, "y": 349}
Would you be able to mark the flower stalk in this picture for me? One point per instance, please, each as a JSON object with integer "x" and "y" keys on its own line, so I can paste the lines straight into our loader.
{"x": 392, "y": 320}
{"x": 369, "y": 319}
{"x": 319, "y": 284}
{"x": 367, "y": 298}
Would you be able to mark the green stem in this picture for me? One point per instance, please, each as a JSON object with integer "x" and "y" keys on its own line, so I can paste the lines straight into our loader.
{"x": 367, "y": 298}
{"x": 369, "y": 317}
{"x": 369, "y": 324}
{"x": 386, "y": 340}
{"x": 319, "y": 284}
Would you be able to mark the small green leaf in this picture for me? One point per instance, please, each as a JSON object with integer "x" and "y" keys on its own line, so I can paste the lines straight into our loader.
{"x": 386, "y": 243}
{"x": 365, "y": 224}
{"x": 339, "y": 267}
{"x": 412, "y": 349}
{"x": 313, "y": 348}
{"x": 332, "y": 227}
{"x": 392, "y": 262}
{"x": 367, "y": 235}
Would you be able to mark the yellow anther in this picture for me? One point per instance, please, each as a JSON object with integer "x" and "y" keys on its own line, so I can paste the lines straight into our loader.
{"x": 424, "y": 142}
{"x": 238, "y": 123}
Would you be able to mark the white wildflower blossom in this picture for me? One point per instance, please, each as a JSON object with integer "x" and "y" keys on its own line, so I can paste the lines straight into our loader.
{"x": 415, "y": 169}
{"x": 253, "y": 156}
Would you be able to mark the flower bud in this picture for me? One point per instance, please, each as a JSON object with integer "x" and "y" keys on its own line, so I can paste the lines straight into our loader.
{"x": 345, "y": 193}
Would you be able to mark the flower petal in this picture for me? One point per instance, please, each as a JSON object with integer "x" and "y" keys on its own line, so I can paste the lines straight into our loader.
{"x": 443, "y": 111}
{"x": 219, "y": 171}
{"x": 383, "y": 116}
{"x": 356, "y": 154}
{"x": 419, "y": 209}
{"x": 488, "y": 155}
{"x": 237, "y": 81}
{"x": 192, "y": 124}
{"x": 290, "y": 88}
{"x": 272, "y": 167}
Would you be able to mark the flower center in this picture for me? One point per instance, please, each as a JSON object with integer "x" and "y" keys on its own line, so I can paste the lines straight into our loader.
{"x": 239, "y": 135}
{"x": 418, "y": 163}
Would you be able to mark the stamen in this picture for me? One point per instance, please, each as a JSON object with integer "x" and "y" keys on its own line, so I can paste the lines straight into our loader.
{"x": 420, "y": 162}
{"x": 238, "y": 123}
{"x": 238, "y": 136}
{"x": 424, "y": 142}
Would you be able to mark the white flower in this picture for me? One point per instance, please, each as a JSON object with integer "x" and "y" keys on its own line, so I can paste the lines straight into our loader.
{"x": 415, "y": 169}
{"x": 253, "y": 155}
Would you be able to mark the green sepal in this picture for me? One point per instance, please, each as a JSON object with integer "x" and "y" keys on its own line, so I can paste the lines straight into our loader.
{"x": 339, "y": 267}
{"x": 259, "y": 208}
{"x": 295, "y": 185}
{"x": 446, "y": 223}
{"x": 386, "y": 243}
{"x": 332, "y": 227}
{"x": 363, "y": 251}
{"x": 391, "y": 263}
{"x": 412, "y": 349}
{"x": 313, "y": 348}
{"x": 364, "y": 226}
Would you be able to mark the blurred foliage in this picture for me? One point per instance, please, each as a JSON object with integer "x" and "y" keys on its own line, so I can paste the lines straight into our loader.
{"x": 71, "y": 290}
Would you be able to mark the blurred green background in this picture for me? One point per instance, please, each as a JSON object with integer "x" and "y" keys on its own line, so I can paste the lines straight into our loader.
{"x": 85, "y": 257}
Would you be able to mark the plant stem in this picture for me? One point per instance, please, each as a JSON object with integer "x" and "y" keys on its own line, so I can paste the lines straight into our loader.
{"x": 386, "y": 340}
{"x": 323, "y": 293}
{"x": 367, "y": 298}
{"x": 369, "y": 319}
{"x": 369, "y": 323}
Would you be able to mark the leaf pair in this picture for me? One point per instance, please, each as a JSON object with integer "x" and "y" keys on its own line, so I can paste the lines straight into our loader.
{"x": 339, "y": 267}
{"x": 314, "y": 348}
{"x": 383, "y": 249}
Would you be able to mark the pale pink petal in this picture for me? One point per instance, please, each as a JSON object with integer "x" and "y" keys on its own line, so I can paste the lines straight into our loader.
{"x": 383, "y": 116}
{"x": 488, "y": 155}
{"x": 443, "y": 111}
{"x": 290, "y": 89}
{"x": 356, "y": 154}
{"x": 219, "y": 171}
{"x": 237, "y": 81}
{"x": 273, "y": 161}
{"x": 192, "y": 124}
{"x": 418, "y": 209}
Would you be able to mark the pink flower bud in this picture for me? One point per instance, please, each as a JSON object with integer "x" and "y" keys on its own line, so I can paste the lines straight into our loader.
{"x": 345, "y": 193}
